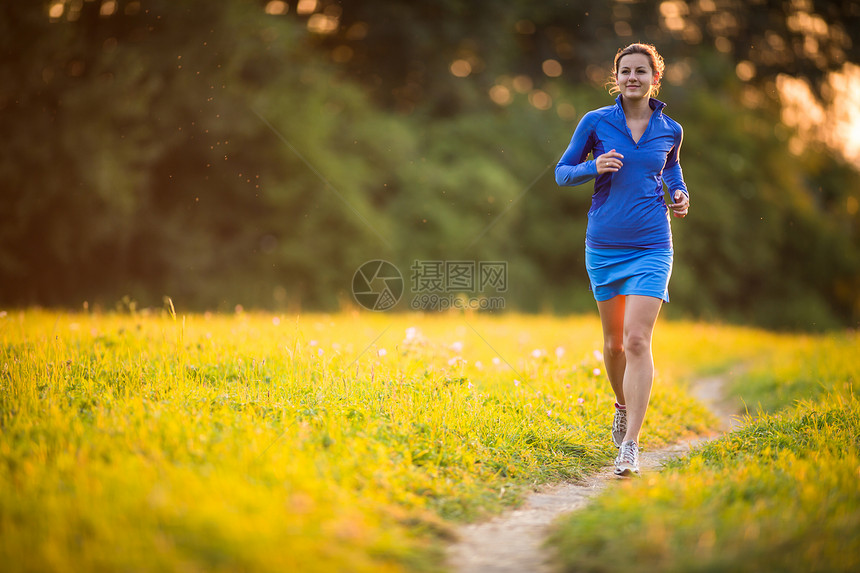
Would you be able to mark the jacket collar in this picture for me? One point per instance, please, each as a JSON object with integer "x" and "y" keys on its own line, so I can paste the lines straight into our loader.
{"x": 656, "y": 105}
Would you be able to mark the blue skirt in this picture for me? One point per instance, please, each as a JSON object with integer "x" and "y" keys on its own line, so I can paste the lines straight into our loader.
{"x": 625, "y": 271}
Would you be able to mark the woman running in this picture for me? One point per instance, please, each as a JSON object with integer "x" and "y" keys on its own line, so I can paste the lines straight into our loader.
{"x": 628, "y": 243}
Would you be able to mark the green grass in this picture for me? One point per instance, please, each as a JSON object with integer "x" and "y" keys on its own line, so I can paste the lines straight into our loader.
{"x": 799, "y": 368}
{"x": 315, "y": 443}
{"x": 779, "y": 494}
{"x": 353, "y": 442}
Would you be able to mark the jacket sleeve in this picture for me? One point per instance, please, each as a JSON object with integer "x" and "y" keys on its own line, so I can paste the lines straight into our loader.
{"x": 572, "y": 168}
{"x": 672, "y": 174}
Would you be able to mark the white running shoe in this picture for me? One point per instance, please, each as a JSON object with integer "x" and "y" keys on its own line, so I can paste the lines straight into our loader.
{"x": 619, "y": 426}
{"x": 627, "y": 462}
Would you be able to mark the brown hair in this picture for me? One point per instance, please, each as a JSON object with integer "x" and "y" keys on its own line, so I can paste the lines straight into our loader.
{"x": 657, "y": 65}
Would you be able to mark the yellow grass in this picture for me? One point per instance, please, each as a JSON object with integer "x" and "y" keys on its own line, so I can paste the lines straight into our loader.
{"x": 315, "y": 442}
{"x": 778, "y": 494}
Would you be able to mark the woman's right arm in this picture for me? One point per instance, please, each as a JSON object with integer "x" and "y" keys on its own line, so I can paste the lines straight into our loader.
{"x": 572, "y": 168}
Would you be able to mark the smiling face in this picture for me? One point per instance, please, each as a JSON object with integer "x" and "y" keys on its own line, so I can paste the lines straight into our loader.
{"x": 635, "y": 76}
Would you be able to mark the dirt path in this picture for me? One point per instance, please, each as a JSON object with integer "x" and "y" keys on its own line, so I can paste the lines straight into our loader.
{"x": 513, "y": 542}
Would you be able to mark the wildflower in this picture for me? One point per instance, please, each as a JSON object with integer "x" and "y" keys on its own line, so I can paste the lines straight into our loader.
{"x": 457, "y": 346}
{"x": 381, "y": 352}
{"x": 537, "y": 353}
{"x": 313, "y": 342}
{"x": 276, "y": 320}
{"x": 580, "y": 401}
{"x": 478, "y": 364}
{"x": 496, "y": 360}
{"x": 598, "y": 355}
{"x": 559, "y": 352}
{"x": 596, "y": 371}
{"x": 319, "y": 352}
{"x": 469, "y": 385}
{"x": 456, "y": 360}
{"x": 516, "y": 382}
{"x": 411, "y": 334}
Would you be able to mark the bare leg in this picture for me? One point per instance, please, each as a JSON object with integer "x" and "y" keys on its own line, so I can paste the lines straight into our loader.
{"x": 612, "y": 319}
{"x": 640, "y": 316}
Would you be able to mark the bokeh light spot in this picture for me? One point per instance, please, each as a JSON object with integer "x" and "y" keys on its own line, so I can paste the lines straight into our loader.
{"x": 461, "y": 68}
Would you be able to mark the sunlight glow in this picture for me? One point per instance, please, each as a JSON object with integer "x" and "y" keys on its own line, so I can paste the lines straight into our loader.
{"x": 837, "y": 125}
{"x": 56, "y": 10}
{"x": 500, "y": 95}
{"x": 540, "y": 99}
{"x": 277, "y": 8}
{"x": 108, "y": 8}
{"x": 306, "y": 7}
{"x": 461, "y": 68}
{"x": 673, "y": 13}
{"x": 523, "y": 84}
{"x": 745, "y": 70}
{"x": 322, "y": 24}
{"x": 551, "y": 68}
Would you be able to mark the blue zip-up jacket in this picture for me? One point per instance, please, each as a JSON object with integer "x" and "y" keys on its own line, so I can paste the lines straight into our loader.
{"x": 627, "y": 207}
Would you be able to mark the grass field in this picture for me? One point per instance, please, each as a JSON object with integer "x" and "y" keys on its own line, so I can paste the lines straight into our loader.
{"x": 779, "y": 494}
{"x": 149, "y": 441}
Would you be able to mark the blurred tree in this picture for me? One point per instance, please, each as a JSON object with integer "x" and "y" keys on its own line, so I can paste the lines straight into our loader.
{"x": 136, "y": 161}
{"x": 257, "y": 152}
{"x": 403, "y": 50}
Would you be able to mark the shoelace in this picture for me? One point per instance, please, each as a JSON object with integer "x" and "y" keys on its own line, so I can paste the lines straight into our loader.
{"x": 628, "y": 452}
{"x": 619, "y": 422}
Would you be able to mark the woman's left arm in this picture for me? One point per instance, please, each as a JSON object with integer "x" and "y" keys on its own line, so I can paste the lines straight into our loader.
{"x": 674, "y": 178}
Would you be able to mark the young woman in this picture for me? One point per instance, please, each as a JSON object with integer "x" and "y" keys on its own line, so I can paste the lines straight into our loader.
{"x": 628, "y": 243}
